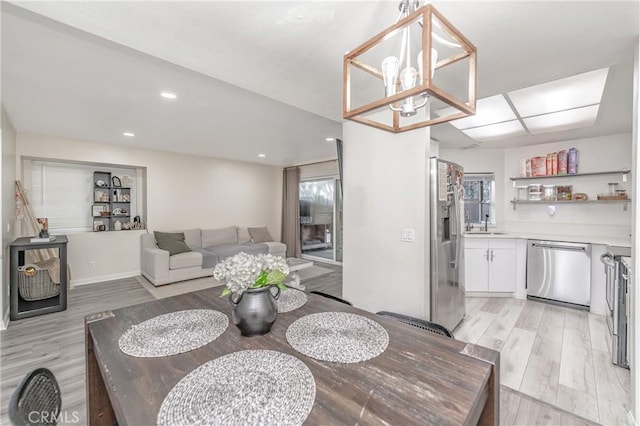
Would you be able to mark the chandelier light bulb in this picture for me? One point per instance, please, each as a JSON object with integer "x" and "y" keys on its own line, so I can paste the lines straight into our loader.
{"x": 408, "y": 78}
{"x": 390, "y": 66}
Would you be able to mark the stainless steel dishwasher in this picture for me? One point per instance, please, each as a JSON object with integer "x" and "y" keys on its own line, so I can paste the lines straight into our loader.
{"x": 559, "y": 271}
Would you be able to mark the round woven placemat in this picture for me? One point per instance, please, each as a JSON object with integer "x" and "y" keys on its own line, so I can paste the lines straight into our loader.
{"x": 256, "y": 387}
{"x": 173, "y": 333}
{"x": 338, "y": 337}
{"x": 290, "y": 300}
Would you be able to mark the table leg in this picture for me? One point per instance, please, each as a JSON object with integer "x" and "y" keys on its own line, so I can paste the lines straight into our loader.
{"x": 491, "y": 411}
{"x": 99, "y": 409}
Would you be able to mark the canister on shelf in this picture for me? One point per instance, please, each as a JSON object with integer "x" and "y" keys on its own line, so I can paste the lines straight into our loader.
{"x": 535, "y": 192}
{"x": 523, "y": 193}
{"x": 572, "y": 161}
{"x": 563, "y": 192}
{"x": 549, "y": 192}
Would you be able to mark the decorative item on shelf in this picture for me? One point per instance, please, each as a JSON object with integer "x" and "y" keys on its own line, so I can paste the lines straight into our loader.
{"x": 126, "y": 181}
{"x": 127, "y": 226}
{"x": 117, "y": 225}
{"x": 249, "y": 279}
{"x": 115, "y": 181}
{"x": 104, "y": 213}
{"x": 580, "y": 196}
{"x": 119, "y": 212}
{"x": 98, "y": 210}
{"x": 410, "y": 78}
{"x": 101, "y": 183}
{"x": 43, "y": 222}
{"x": 99, "y": 226}
{"x": 126, "y": 198}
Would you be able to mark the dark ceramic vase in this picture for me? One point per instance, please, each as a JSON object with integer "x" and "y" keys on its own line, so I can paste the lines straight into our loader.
{"x": 255, "y": 310}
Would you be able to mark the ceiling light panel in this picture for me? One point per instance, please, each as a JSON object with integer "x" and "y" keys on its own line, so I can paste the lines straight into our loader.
{"x": 496, "y": 131}
{"x": 168, "y": 95}
{"x": 491, "y": 110}
{"x": 558, "y": 95}
{"x": 563, "y": 120}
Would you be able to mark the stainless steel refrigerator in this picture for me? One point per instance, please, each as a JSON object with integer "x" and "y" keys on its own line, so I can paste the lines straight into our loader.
{"x": 447, "y": 223}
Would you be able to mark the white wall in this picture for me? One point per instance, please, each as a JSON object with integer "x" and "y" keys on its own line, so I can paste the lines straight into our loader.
{"x": 7, "y": 214}
{"x": 385, "y": 190}
{"x": 604, "y": 153}
{"x": 634, "y": 356}
{"x": 183, "y": 191}
{"x": 482, "y": 161}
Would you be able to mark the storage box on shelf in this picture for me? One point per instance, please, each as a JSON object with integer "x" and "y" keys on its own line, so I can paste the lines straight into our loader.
{"x": 563, "y": 192}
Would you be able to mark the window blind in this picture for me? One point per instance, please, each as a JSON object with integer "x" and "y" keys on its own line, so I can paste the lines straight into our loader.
{"x": 63, "y": 193}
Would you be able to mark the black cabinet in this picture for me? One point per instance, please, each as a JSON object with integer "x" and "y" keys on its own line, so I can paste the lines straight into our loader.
{"x": 21, "y": 308}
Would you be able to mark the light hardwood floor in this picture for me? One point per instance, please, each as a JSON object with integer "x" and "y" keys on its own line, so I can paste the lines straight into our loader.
{"x": 555, "y": 354}
{"x": 56, "y": 341}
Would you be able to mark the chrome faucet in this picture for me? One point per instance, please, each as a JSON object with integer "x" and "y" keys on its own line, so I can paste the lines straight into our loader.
{"x": 486, "y": 220}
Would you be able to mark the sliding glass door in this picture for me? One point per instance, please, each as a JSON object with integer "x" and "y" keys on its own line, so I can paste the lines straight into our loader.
{"x": 321, "y": 219}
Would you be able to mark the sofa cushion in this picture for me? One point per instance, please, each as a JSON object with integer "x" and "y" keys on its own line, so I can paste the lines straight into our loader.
{"x": 227, "y": 250}
{"x": 217, "y": 237}
{"x": 276, "y": 248}
{"x": 173, "y": 242}
{"x": 185, "y": 260}
{"x": 193, "y": 238}
{"x": 260, "y": 234}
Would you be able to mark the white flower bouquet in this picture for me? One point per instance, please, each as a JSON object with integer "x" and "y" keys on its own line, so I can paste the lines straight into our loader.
{"x": 246, "y": 271}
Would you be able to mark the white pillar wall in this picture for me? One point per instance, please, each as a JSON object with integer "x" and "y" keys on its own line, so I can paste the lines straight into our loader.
{"x": 634, "y": 356}
{"x": 386, "y": 190}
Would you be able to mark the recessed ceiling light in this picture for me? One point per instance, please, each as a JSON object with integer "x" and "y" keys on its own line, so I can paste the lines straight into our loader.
{"x": 168, "y": 95}
{"x": 128, "y": 134}
{"x": 330, "y": 139}
{"x": 262, "y": 155}
{"x": 559, "y": 95}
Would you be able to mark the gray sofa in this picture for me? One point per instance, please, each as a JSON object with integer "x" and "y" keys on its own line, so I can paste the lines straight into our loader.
{"x": 209, "y": 246}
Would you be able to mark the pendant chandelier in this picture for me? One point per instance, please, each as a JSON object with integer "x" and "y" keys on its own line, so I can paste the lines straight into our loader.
{"x": 400, "y": 64}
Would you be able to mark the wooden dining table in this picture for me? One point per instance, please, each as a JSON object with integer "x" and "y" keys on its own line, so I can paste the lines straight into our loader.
{"x": 420, "y": 378}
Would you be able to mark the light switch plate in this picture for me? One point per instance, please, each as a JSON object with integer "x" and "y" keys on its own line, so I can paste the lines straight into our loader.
{"x": 408, "y": 234}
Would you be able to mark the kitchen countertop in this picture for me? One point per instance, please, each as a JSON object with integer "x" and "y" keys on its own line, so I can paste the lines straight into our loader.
{"x": 608, "y": 241}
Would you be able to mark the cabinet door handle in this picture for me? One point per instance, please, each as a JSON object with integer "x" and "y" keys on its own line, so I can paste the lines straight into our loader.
{"x": 486, "y": 255}
{"x": 492, "y": 255}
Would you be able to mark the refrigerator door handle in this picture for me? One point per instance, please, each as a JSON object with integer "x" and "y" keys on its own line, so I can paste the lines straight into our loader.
{"x": 492, "y": 255}
{"x": 455, "y": 231}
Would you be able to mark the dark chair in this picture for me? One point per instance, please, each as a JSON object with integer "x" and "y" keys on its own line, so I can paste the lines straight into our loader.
{"x": 420, "y": 323}
{"x": 328, "y": 296}
{"x": 36, "y": 400}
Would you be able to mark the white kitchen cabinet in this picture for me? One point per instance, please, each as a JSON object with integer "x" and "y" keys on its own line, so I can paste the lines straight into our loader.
{"x": 490, "y": 265}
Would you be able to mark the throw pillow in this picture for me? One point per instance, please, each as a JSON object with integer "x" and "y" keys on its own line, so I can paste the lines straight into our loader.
{"x": 260, "y": 235}
{"x": 173, "y": 242}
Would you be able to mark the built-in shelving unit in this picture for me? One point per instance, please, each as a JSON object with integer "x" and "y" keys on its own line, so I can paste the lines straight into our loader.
{"x": 111, "y": 202}
{"x": 624, "y": 201}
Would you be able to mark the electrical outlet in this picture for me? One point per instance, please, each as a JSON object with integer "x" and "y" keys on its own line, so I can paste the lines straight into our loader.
{"x": 92, "y": 265}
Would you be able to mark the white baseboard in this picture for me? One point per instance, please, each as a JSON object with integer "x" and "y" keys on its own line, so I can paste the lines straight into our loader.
{"x": 102, "y": 278}
{"x": 5, "y": 320}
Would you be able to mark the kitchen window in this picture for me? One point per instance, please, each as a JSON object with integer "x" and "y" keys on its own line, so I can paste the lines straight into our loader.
{"x": 479, "y": 198}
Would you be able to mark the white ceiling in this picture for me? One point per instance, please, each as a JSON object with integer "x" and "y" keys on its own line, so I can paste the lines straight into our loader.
{"x": 287, "y": 58}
